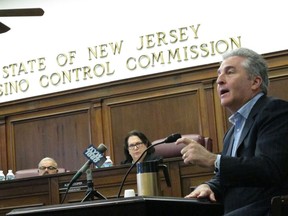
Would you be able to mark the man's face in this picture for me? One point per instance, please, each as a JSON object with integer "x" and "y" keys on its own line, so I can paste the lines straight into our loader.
{"x": 47, "y": 167}
{"x": 234, "y": 86}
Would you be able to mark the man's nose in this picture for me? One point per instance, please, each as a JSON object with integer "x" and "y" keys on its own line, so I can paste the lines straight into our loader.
{"x": 220, "y": 79}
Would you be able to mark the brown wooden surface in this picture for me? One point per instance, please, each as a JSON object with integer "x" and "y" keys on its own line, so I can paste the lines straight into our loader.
{"x": 49, "y": 190}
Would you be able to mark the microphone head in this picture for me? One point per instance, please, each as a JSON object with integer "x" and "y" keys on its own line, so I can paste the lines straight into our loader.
{"x": 172, "y": 138}
{"x": 102, "y": 148}
{"x": 96, "y": 155}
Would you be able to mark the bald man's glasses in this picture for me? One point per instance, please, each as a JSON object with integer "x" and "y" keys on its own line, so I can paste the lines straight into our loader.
{"x": 49, "y": 168}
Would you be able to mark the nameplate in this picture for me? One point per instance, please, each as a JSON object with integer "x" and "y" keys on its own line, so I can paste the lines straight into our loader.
{"x": 76, "y": 186}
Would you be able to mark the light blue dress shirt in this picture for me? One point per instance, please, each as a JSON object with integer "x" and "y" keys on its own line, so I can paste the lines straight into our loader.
{"x": 238, "y": 119}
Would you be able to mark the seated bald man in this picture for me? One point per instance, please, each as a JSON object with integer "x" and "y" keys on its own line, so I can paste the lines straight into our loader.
{"x": 47, "y": 166}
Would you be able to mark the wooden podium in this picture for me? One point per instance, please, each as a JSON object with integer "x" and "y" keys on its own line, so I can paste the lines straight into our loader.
{"x": 140, "y": 206}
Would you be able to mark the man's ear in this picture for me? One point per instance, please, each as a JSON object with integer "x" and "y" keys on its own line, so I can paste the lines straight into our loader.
{"x": 257, "y": 81}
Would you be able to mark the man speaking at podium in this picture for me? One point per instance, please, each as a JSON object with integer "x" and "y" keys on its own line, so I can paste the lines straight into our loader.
{"x": 253, "y": 166}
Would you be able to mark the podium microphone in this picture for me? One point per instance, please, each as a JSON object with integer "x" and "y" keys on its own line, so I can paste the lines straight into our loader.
{"x": 169, "y": 139}
{"x": 91, "y": 193}
{"x": 95, "y": 156}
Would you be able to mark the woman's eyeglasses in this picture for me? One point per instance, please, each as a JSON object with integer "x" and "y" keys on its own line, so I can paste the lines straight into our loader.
{"x": 137, "y": 145}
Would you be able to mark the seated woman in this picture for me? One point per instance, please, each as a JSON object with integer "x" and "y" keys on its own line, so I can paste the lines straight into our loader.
{"x": 135, "y": 144}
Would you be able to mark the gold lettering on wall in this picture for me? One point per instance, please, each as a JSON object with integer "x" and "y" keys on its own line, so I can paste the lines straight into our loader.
{"x": 100, "y": 61}
{"x": 17, "y": 69}
{"x": 180, "y": 54}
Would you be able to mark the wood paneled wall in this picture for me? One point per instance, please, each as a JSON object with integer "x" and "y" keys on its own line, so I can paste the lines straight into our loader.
{"x": 62, "y": 125}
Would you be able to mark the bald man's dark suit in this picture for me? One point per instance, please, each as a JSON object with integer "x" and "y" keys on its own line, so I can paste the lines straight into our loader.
{"x": 246, "y": 183}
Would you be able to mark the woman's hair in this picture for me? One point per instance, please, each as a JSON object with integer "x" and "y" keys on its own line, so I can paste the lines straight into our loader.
{"x": 143, "y": 138}
{"x": 254, "y": 64}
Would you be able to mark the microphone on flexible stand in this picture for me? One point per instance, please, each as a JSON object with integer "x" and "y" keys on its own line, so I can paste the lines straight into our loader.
{"x": 96, "y": 156}
{"x": 169, "y": 139}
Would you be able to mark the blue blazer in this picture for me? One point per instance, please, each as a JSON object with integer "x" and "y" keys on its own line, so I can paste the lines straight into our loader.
{"x": 246, "y": 183}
